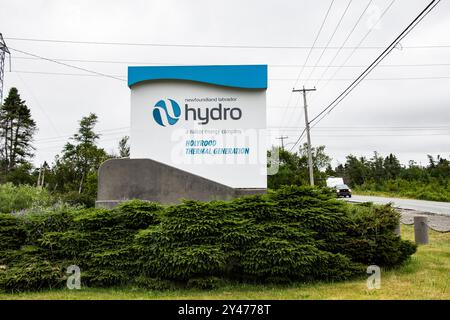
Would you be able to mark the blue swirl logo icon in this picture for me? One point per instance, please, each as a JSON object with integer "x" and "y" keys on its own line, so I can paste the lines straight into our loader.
{"x": 166, "y": 112}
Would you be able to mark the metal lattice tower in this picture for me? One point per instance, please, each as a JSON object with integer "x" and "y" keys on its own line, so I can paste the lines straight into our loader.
{"x": 3, "y": 51}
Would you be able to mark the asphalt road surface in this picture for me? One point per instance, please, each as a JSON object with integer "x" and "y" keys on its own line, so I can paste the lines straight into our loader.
{"x": 441, "y": 208}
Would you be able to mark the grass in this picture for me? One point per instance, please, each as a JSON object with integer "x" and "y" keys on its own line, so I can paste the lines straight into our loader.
{"x": 386, "y": 194}
{"x": 437, "y": 195}
{"x": 425, "y": 276}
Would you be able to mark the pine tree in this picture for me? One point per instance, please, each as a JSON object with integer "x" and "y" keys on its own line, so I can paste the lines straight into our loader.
{"x": 16, "y": 132}
{"x": 124, "y": 147}
{"x": 74, "y": 173}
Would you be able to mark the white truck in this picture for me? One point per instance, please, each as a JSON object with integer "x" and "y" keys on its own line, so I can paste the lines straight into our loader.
{"x": 334, "y": 181}
{"x": 342, "y": 190}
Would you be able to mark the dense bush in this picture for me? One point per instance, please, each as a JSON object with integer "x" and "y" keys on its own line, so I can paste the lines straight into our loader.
{"x": 12, "y": 235}
{"x": 433, "y": 189}
{"x": 16, "y": 198}
{"x": 293, "y": 234}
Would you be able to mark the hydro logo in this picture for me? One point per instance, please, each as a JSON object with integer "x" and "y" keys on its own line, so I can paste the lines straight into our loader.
{"x": 166, "y": 112}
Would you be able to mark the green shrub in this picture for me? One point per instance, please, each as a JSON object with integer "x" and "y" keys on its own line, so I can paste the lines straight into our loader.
{"x": 58, "y": 218}
{"x": 293, "y": 234}
{"x": 33, "y": 274}
{"x": 75, "y": 198}
{"x": 15, "y": 198}
{"x": 371, "y": 239}
{"x": 12, "y": 235}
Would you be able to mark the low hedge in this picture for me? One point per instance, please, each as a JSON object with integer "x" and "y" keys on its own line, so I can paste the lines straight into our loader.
{"x": 292, "y": 234}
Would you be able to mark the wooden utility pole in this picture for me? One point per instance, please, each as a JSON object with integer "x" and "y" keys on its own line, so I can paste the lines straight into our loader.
{"x": 308, "y": 136}
{"x": 282, "y": 141}
{"x": 39, "y": 177}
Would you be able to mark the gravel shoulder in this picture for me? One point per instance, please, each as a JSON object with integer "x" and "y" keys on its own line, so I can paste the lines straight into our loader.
{"x": 436, "y": 222}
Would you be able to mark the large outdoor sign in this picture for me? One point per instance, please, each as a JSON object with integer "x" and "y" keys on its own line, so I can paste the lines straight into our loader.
{"x": 207, "y": 120}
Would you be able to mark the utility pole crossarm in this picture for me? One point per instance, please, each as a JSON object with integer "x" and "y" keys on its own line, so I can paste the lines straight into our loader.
{"x": 282, "y": 138}
{"x": 308, "y": 135}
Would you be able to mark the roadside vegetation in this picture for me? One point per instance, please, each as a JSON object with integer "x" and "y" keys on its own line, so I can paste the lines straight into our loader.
{"x": 424, "y": 276}
{"x": 18, "y": 198}
{"x": 291, "y": 235}
{"x": 406, "y": 189}
{"x": 383, "y": 176}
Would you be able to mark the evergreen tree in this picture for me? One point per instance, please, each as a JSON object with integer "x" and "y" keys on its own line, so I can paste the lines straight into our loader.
{"x": 392, "y": 167}
{"x": 124, "y": 147}
{"x": 293, "y": 167}
{"x": 16, "y": 133}
{"x": 75, "y": 171}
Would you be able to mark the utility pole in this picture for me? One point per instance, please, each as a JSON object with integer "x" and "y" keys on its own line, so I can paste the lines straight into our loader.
{"x": 308, "y": 136}
{"x": 43, "y": 175}
{"x": 3, "y": 51}
{"x": 282, "y": 141}
{"x": 39, "y": 177}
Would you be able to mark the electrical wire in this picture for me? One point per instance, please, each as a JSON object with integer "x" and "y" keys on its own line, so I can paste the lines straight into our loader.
{"x": 346, "y": 39}
{"x": 329, "y": 40}
{"x": 308, "y": 56}
{"x": 386, "y": 51}
{"x": 222, "y": 46}
{"x": 270, "y": 65}
{"x": 389, "y": 49}
{"x": 68, "y": 65}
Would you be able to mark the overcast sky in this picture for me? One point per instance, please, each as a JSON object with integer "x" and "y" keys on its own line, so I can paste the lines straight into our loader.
{"x": 409, "y": 117}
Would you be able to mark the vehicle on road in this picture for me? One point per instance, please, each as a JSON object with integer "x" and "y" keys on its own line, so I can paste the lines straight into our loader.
{"x": 334, "y": 181}
{"x": 342, "y": 190}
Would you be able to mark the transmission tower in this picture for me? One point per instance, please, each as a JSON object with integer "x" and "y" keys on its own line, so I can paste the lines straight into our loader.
{"x": 3, "y": 51}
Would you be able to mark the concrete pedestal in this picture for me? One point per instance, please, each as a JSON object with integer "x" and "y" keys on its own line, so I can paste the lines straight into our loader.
{"x": 145, "y": 179}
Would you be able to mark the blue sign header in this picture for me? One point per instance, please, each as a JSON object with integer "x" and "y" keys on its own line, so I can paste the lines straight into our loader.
{"x": 237, "y": 76}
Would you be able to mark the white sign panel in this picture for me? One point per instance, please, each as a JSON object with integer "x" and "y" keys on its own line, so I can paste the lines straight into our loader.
{"x": 211, "y": 130}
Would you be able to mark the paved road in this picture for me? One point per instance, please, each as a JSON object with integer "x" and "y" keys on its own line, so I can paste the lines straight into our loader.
{"x": 442, "y": 208}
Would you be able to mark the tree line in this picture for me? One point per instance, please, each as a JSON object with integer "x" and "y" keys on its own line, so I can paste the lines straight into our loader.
{"x": 374, "y": 175}
{"x": 72, "y": 176}
{"x": 73, "y": 173}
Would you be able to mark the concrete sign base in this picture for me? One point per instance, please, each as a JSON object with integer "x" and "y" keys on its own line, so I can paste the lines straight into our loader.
{"x": 120, "y": 180}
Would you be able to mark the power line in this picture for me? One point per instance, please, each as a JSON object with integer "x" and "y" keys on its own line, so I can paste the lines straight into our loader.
{"x": 270, "y": 79}
{"x": 308, "y": 56}
{"x": 232, "y": 46}
{"x": 380, "y": 58}
{"x": 68, "y": 65}
{"x": 329, "y": 40}
{"x": 298, "y": 140}
{"x": 367, "y": 135}
{"x": 370, "y": 79}
{"x": 370, "y": 128}
{"x": 346, "y": 38}
{"x": 38, "y": 104}
{"x": 361, "y": 77}
{"x": 385, "y": 135}
{"x": 61, "y": 73}
{"x": 270, "y": 65}
{"x": 361, "y": 66}
{"x": 58, "y": 147}
{"x": 353, "y": 29}
{"x": 361, "y": 42}
{"x": 120, "y": 130}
